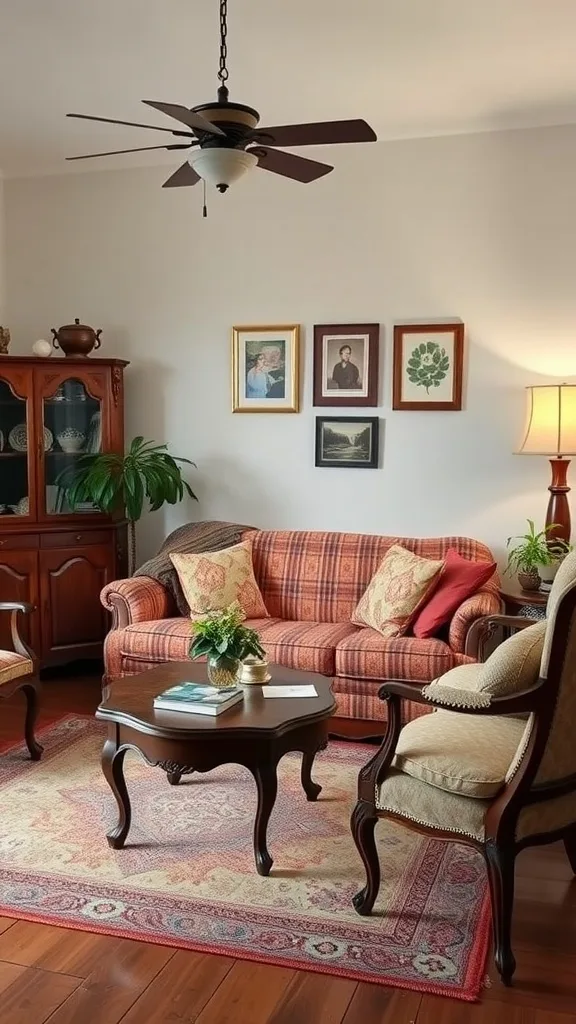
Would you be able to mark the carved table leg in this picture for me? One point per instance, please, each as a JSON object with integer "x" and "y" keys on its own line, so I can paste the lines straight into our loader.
{"x": 31, "y": 694}
{"x": 113, "y": 768}
{"x": 173, "y": 777}
{"x": 311, "y": 788}
{"x": 267, "y": 784}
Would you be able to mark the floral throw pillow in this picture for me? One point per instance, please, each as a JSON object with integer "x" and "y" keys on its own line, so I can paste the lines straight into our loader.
{"x": 213, "y": 580}
{"x": 401, "y": 584}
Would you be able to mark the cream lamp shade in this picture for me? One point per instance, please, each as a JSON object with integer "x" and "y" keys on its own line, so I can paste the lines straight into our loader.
{"x": 550, "y": 421}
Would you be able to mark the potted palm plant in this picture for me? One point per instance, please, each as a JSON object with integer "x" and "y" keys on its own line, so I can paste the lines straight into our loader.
{"x": 108, "y": 480}
{"x": 223, "y": 639}
{"x": 533, "y": 551}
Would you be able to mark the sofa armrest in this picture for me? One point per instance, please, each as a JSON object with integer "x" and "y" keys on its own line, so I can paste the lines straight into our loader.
{"x": 140, "y": 599}
{"x": 484, "y": 602}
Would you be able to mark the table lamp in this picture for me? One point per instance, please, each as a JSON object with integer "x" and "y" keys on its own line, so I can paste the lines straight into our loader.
{"x": 551, "y": 430}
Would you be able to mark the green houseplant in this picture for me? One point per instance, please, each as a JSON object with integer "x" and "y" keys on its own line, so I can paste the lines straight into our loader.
{"x": 225, "y": 641}
{"x": 145, "y": 472}
{"x": 534, "y": 550}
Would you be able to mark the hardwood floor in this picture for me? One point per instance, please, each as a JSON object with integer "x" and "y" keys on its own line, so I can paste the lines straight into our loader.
{"x": 66, "y": 977}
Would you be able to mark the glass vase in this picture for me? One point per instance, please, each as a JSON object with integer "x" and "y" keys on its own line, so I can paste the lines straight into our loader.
{"x": 222, "y": 671}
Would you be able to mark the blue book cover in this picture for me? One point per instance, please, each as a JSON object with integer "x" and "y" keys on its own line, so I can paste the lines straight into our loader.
{"x": 198, "y": 693}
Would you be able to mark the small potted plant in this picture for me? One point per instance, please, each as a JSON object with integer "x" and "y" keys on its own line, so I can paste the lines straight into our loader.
{"x": 225, "y": 641}
{"x": 533, "y": 551}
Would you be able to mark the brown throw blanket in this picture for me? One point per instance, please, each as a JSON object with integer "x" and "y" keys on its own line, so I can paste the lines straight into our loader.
{"x": 189, "y": 539}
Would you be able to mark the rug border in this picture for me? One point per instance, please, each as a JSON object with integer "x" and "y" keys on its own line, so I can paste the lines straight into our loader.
{"x": 468, "y": 992}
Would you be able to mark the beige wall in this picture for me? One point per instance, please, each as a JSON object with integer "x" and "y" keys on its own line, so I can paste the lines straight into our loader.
{"x": 481, "y": 227}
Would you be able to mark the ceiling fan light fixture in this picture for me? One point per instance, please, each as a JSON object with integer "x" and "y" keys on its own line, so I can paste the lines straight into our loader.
{"x": 221, "y": 167}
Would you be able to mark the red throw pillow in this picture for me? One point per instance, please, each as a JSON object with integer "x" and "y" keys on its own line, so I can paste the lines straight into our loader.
{"x": 460, "y": 579}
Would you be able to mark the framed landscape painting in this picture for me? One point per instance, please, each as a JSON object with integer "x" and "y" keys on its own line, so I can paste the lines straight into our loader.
{"x": 428, "y": 366}
{"x": 265, "y": 368}
{"x": 347, "y": 441}
{"x": 346, "y": 364}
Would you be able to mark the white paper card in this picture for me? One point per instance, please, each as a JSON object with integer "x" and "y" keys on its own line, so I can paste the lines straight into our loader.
{"x": 289, "y": 691}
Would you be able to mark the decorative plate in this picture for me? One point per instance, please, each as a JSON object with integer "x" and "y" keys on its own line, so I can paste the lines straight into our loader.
{"x": 18, "y": 438}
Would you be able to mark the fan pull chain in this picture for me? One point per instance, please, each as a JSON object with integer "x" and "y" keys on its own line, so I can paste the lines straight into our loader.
{"x": 204, "y": 208}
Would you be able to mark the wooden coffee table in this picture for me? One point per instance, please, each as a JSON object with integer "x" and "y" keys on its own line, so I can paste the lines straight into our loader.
{"x": 256, "y": 733}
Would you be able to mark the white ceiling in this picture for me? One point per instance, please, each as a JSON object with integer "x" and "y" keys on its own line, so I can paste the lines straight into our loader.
{"x": 410, "y": 67}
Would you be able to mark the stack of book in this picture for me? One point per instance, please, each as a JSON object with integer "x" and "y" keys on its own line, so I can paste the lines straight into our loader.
{"x": 198, "y": 698}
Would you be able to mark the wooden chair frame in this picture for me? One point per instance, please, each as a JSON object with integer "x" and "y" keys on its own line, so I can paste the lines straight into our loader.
{"x": 500, "y": 846}
{"x": 29, "y": 683}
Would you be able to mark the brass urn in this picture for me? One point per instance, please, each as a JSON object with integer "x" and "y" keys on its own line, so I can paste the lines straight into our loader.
{"x": 76, "y": 339}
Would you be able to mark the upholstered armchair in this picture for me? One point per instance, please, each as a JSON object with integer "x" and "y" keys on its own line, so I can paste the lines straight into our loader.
{"x": 495, "y": 766}
{"x": 19, "y": 671}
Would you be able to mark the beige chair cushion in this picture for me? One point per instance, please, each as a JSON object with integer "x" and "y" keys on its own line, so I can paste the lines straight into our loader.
{"x": 514, "y": 666}
{"x": 459, "y": 753}
{"x": 214, "y": 580}
{"x": 415, "y": 801}
{"x": 400, "y": 585}
{"x": 12, "y": 666}
{"x": 563, "y": 582}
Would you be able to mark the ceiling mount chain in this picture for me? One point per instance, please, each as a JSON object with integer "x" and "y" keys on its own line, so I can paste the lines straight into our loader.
{"x": 223, "y": 70}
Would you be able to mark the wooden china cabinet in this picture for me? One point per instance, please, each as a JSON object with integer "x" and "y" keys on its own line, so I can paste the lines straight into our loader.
{"x": 51, "y": 412}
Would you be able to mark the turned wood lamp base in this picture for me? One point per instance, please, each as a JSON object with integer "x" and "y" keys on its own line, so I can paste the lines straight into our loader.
{"x": 558, "y": 511}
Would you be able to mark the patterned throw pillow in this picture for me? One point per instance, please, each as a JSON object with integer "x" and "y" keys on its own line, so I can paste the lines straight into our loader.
{"x": 213, "y": 580}
{"x": 397, "y": 590}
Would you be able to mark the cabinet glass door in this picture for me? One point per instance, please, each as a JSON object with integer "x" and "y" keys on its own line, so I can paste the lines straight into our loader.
{"x": 72, "y": 427}
{"x": 14, "y": 454}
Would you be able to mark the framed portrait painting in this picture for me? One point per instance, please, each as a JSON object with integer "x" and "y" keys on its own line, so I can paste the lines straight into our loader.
{"x": 265, "y": 368}
{"x": 428, "y": 366}
{"x": 346, "y": 364}
{"x": 347, "y": 441}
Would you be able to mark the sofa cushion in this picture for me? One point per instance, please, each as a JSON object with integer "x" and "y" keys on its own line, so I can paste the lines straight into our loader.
{"x": 320, "y": 577}
{"x": 460, "y": 579}
{"x": 213, "y": 580}
{"x": 396, "y": 591}
{"x": 309, "y": 646}
{"x": 460, "y": 753}
{"x": 366, "y": 654}
{"x": 408, "y": 798}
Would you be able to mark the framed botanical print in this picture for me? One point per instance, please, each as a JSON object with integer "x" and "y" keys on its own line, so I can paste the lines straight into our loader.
{"x": 428, "y": 366}
{"x": 265, "y": 368}
{"x": 346, "y": 364}
{"x": 347, "y": 441}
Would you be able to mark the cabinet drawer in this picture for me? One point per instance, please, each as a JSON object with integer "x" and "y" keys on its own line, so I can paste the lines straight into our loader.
{"x": 75, "y": 538}
{"x": 19, "y": 541}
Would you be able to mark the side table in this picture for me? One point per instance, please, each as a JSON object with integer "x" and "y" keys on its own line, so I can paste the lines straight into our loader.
{"x": 530, "y": 604}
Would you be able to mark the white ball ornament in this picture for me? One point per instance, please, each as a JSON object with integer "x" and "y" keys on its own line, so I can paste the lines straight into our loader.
{"x": 42, "y": 348}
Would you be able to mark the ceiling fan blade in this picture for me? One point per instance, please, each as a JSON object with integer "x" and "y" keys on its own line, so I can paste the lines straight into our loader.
{"x": 290, "y": 165}
{"x": 319, "y": 133}
{"x": 185, "y": 175}
{"x": 131, "y": 124}
{"x": 189, "y": 117}
{"x": 140, "y": 149}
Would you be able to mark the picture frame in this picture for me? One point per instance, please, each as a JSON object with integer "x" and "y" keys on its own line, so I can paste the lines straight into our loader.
{"x": 266, "y": 368}
{"x": 428, "y": 367}
{"x": 346, "y": 378}
{"x": 347, "y": 442}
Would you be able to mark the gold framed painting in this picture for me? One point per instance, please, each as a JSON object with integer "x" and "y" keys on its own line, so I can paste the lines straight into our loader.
{"x": 265, "y": 368}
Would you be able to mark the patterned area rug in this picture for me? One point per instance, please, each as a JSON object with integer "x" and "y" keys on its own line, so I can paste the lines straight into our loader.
{"x": 186, "y": 877}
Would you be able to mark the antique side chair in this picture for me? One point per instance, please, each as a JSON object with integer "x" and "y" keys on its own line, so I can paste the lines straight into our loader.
{"x": 494, "y": 766}
{"x": 19, "y": 671}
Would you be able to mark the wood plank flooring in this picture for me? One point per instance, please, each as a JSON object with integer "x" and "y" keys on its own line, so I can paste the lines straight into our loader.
{"x": 65, "y": 977}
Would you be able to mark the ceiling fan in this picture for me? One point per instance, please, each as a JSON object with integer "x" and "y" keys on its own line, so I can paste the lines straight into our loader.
{"x": 229, "y": 141}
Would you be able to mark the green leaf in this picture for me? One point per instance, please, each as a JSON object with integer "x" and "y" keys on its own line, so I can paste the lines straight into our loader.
{"x": 422, "y": 348}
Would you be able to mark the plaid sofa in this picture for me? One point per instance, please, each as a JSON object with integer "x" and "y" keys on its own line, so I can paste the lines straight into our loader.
{"x": 310, "y": 582}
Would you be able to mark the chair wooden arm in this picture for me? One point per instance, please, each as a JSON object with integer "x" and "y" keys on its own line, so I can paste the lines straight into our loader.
{"x": 517, "y": 704}
{"x": 483, "y": 630}
{"x": 372, "y": 774}
{"x": 19, "y": 644}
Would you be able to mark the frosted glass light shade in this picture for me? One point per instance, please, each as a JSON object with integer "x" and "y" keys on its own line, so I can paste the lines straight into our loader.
{"x": 550, "y": 420}
{"x": 222, "y": 166}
